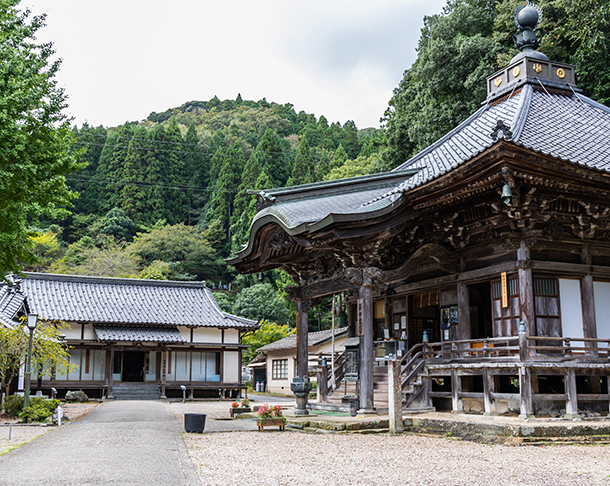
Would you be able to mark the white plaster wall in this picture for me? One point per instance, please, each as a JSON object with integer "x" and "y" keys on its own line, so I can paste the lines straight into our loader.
{"x": 231, "y": 336}
{"x": 326, "y": 348}
{"x": 71, "y": 331}
{"x": 206, "y": 335}
{"x": 601, "y": 294}
{"x": 185, "y": 332}
{"x": 571, "y": 308}
{"x": 231, "y": 367}
{"x": 281, "y": 386}
{"x": 89, "y": 332}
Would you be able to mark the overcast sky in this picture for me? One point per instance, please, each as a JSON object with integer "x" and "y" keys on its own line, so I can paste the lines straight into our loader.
{"x": 123, "y": 59}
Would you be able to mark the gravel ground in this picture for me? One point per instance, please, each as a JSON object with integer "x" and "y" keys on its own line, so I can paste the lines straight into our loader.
{"x": 22, "y": 434}
{"x": 293, "y": 458}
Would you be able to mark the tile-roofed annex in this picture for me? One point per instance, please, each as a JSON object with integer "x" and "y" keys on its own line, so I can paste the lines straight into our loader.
{"x": 139, "y": 334}
{"x": 126, "y": 301}
{"x": 314, "y": 339}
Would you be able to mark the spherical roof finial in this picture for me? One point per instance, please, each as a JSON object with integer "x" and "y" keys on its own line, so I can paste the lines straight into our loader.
{"x": 528, "y": 16}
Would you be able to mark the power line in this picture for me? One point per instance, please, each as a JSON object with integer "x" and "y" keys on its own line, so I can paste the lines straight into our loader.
{"x": 145, "y": 184}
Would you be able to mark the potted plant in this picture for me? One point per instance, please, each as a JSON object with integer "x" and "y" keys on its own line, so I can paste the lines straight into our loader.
{"x": 243, "y": 406}
{"x": 270, "y": 416}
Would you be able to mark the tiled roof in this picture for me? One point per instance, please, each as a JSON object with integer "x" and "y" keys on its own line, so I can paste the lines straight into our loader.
{"x": 568, "y": 126}
{"x": 140, "y": 334}
{"x": 295, "y": 213}
{"x": 126, "y": 301}
{"x": 571, "y": 127}
{"x": 12, "y": 300}
{"x": 298, "y": 206}
{"x": 313, "y": 339}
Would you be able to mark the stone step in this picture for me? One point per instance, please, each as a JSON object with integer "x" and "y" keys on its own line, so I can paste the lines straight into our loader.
{"x": 136, "y": 392}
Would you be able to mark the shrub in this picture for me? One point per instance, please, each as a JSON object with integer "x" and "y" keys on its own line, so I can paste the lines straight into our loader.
{"x": 38, "y": 409}
{"x": 13, "y": 405}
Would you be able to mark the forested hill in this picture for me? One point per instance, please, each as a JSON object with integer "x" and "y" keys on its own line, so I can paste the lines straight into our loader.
{"x": 166, "y": 197}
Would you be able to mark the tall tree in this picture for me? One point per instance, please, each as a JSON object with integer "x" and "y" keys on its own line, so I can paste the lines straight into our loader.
{"x": 35, "y": 136}
{"x": 132, "y": 197}
{"x": 302, "y": 172}
{"x": 110, "y": 168}
{"x": 222, "y": 204}
{"x": 197, "y": 164}
{"x": 446, "y": 82}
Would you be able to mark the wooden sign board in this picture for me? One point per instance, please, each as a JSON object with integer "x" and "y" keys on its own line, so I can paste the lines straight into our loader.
{"x": 504, "y": 291}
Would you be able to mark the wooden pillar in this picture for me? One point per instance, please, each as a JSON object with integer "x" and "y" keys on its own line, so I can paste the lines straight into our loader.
{"x": 526, "y": 290}
{"x": 352, "y": 327}
{"x": 302, "y": 337}
{"x": 456, "y": 389}
{"x": 525, "y": 392}
{"x": 109, "y": 370}
{"x": 488, "y": 390}
{"x": 395, "y": 397}
{"x": 463, "y": 311}
{"x": 322, "y": 389}
{"x": 588, "y": 312}
{"x": 163, "y": 371}
{"x": 570, "y": 389}
{"x": 367, "y": 351}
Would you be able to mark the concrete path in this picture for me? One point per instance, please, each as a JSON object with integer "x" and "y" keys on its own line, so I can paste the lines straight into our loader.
{"x": 119, "y": 443}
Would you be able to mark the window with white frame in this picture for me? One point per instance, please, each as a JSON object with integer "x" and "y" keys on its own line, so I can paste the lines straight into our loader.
{"x": 279, "y": 369}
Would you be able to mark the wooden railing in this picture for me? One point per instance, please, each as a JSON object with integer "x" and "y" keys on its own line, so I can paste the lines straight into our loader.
{"x": 547, "y": 347}
{"x": 323, "y": 372}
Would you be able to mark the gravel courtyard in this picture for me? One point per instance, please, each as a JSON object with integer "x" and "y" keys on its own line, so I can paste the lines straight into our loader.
{"x": 293, "y": 458}
{"x": 298, "y": 458}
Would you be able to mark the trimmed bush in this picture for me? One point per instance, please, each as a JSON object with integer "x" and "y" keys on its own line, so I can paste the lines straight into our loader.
{"x": 38, "y": 409}
{"x": 13, "y": 405}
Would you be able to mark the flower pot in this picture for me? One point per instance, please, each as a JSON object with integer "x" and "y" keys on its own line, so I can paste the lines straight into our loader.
{"x": 265, "y": 422}
{"x": 237, "y": 410}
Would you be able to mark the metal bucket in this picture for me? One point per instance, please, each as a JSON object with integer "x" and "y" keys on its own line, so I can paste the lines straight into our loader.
{"x": 194, "y": 422}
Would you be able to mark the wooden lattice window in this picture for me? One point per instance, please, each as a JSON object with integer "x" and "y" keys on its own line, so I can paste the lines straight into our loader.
{"x": 546, "y": 306}
{"x": 279, "y": 369}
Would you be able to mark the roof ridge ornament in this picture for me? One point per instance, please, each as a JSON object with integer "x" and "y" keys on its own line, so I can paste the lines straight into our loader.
{"x": 527, "y": 19}
{"x": 501, "y": 131}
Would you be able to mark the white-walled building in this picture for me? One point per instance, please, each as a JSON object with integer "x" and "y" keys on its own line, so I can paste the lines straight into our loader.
{"x": 145, "y": 332}
{"x": 280, "y": 357}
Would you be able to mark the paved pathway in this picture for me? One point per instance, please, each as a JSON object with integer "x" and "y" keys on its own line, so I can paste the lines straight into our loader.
{"x": 120, "y": 443}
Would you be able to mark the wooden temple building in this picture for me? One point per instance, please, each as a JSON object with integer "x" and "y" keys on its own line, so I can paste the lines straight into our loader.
{"x": 133, "y": 338}
{"x": 482, "y": 263}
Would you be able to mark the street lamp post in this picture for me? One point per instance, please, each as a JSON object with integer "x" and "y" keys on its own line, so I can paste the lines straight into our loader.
{"x": 32, "y": 321}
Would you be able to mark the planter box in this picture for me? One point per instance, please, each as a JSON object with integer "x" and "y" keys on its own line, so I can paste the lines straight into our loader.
{"x": 236, "y": 410}
{"x": 265, "y": 422}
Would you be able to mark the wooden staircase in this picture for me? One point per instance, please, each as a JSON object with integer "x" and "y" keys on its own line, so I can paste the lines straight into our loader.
{"x": 413, "y": 380}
